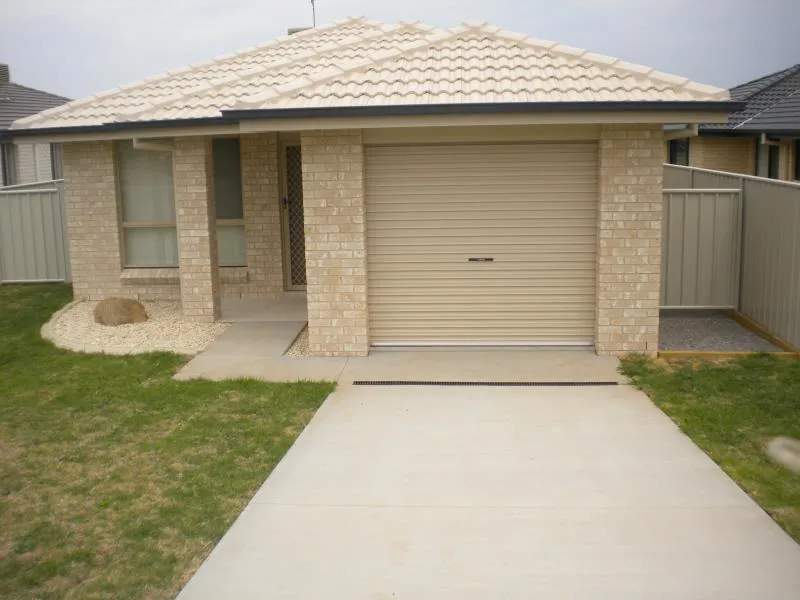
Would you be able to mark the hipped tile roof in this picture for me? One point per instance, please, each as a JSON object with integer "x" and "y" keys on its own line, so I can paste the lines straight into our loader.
{"x": 772, "y": 103}
{"x": 358, "y": 62}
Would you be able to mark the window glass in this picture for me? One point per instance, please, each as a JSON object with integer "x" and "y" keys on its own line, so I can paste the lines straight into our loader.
{"x": 148, "y": 206}
{"x": 227, "y": 178}
{"x": 145, "y": 179}
{"x": 230, "y": 245}
{"x": 8, "y": 156}
{"x": 55, "y": 161}
{"x": 679, "y": 152}
{"x": 774, "y": 171}
{"x": 228, "y": 200}
{"x": 151, "y": 247}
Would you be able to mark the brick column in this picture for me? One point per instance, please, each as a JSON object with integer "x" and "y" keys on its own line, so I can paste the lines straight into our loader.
{"x": 197, "y": 238}
{"x": 92, "y": 219}
{"x": 629, "y": 241}
{"x": 262, "y": 216}
{"x": 336, "y": 270}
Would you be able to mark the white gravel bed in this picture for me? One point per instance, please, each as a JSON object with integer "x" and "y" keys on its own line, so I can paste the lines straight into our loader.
{"x": 299, "y": 347}
{"x": 74, "y": 328}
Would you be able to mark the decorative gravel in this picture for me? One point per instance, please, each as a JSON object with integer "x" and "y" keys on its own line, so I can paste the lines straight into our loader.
{"x": 299, "y": 347}
{"x": 74, "y": 328}
{"x": 708, "y": 331}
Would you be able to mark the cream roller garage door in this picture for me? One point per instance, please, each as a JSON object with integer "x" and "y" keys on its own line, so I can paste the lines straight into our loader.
{"x": 482, "y": 243}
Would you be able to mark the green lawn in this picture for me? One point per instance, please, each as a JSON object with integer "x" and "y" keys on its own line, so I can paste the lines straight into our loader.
{"x": 115, "y": 480}
{"x": 731, "y": 409}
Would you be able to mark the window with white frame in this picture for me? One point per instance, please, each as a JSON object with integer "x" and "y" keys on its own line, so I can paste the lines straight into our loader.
{"x": 228, "y": 198}
{"x": 147, "y": 197}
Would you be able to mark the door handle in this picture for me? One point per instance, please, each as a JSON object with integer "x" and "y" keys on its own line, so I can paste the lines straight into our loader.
{"x": 481, "y": 259}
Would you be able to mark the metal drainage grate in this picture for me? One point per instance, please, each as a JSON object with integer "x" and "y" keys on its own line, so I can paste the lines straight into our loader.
{"x": 491, "y": 383}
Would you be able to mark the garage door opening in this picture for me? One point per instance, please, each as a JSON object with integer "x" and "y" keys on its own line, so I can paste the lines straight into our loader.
{"x": 484, "y": 244}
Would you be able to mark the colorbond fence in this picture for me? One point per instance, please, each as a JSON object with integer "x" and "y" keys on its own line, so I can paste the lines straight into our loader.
{"x": 733, "y": 241}
{"x": 33, "y": 233}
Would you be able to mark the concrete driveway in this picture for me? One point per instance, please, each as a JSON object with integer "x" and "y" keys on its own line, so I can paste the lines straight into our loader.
{"x": 487, "y": 492}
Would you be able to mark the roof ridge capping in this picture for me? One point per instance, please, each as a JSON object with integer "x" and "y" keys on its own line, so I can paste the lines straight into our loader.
{"x": 380, "y": 30}
{"x": 437, "y": 35}
{"x": 683, "y": 83}
{"x": 781, "y": 74}
{"x": 190, "y": 67}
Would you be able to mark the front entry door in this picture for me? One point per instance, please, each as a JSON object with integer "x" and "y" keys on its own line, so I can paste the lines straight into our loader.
{"x": 294, "y": 246}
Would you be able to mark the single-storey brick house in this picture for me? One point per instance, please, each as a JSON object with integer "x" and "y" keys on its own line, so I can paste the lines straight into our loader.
{"x": 425, "y": 186}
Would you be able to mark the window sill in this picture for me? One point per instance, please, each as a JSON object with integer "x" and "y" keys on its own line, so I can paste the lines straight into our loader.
{"x": 171, "y": 275}
{"x": 156, "y": 276}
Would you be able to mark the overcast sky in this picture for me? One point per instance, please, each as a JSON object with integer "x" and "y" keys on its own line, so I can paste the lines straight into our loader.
{"x": 80, "y": 47}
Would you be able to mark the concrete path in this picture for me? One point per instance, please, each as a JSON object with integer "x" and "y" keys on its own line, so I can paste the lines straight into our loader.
{"x": 256, "y": 350}
{"x": 485, "y": 493}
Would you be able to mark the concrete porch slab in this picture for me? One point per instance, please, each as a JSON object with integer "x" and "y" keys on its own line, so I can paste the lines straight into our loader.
{"x": 255, "y": 350}
{"x": 291, "y": 306}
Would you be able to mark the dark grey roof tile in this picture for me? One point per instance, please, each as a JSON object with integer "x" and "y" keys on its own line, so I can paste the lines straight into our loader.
{"x": 761, "y": 95}
{"x": 17, "y": 101}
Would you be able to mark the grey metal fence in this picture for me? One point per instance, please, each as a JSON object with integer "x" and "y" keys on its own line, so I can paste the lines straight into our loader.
{"x": 700, "y": 251}
{"x": 744, "y": 242}
{"x": 33, "y": 233}
{"x": 770, "y": 292}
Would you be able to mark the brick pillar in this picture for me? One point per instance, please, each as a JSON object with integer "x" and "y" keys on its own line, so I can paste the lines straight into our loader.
{"x": 92, "y": 219}
{"x": 336, "y": 270}
{"x": 262, "y": 215}
{"x": 629, "y": 241}
{"x": 197, "y": 237}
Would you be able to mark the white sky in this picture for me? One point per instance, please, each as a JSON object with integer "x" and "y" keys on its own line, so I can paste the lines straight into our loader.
{"x": 80, "y": 47}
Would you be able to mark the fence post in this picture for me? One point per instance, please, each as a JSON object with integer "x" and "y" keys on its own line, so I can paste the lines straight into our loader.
{"x": 740, "y": 245}
{"x": 62, "y": 206}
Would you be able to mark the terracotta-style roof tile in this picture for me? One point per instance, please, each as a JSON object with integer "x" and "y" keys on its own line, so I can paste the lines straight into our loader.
{"x": 357, "y": 62}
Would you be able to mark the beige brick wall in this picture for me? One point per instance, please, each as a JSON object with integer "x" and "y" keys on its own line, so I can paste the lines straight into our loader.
{"x": 96, "y": 236}
{"x": 629, "y": 239}
{"x": 333, "y": 201}
{"x": 92, "y": 219}
{"x": 735, "y": 155}
{"x": 197, "y": 237}
{"x": 94, "y": 230}
{"x": 262, "y": 219}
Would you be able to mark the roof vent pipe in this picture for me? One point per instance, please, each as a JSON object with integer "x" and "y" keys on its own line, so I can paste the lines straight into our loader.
{"x": 5, "y": 73}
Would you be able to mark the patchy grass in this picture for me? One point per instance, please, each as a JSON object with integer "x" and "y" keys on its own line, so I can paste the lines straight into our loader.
{"x": 115, "y": 480}
{"x": 731, "y": 409}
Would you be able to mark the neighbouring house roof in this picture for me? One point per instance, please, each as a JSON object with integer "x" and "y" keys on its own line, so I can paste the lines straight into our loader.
{"x": 772, "y": 103}
{"x": 363, "y": 63}
{"x": 17, "y": 101}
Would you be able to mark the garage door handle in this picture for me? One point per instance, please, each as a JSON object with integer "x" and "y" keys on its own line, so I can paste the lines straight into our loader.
{"x": 480, "y": 259}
